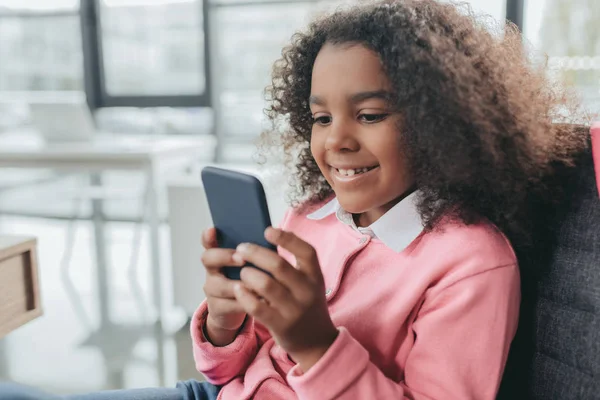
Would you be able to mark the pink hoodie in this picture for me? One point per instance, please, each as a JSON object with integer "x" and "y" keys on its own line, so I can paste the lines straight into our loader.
{"x": 431, "y": 320}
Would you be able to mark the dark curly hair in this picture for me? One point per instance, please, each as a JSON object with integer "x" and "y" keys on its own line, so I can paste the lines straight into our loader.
{"x": 483, "y": 126}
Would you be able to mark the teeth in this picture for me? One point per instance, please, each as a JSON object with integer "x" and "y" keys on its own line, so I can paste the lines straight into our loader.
{"x": 352, "y": 172}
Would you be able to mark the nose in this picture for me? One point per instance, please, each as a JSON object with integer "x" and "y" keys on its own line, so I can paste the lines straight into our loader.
{"x": 340, "y": 136}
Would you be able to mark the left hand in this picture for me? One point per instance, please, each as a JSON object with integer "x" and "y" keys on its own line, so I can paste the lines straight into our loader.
{"x": 291, "y": 303}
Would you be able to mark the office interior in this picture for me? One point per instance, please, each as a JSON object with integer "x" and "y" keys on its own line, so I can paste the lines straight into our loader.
{"x": 109, "y": 109}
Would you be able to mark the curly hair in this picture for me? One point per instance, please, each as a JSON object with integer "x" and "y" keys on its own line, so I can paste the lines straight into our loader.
{"x": 481, "y": 123}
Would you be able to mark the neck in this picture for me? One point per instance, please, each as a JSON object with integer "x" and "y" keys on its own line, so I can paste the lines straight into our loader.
{"x": 368, "y": 217}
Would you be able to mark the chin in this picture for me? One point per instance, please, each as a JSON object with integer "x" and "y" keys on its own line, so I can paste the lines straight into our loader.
{"x": 355, "y": 207}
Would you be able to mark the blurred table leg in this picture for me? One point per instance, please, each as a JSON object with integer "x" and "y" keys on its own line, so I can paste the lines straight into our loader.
{"x": 102, "y": 273}
{"x": 154, "y": 232}
{"x": 4, "y": 368}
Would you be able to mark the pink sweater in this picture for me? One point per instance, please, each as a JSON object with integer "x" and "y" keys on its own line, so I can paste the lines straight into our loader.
{"x": 434, "y": 321}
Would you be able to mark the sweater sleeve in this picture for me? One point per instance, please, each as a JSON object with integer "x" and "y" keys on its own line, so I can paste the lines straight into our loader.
{"x": 462, "y": 337}
{"x": 222, "y": 364}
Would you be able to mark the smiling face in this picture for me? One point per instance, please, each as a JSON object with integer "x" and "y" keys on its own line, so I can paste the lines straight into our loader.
{"x": 355, "y": 137}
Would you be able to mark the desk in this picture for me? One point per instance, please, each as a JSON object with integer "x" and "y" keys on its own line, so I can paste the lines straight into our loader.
{"x": 147, "y": 154}
{"x": 19, "y": 289}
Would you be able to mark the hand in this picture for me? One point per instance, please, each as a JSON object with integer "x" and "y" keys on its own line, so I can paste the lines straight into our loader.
{"x": 291, "y": 303}
{"x": 225, "y": 315}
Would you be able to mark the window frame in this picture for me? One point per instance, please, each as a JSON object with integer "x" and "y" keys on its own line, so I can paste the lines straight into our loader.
{"x": 93, "y": 61}
{"x": 515, "y": 12}
{"x": 95, "y": 77}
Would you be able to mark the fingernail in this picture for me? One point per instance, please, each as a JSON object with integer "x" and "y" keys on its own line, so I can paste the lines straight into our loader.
{"x": 237, "y": 288}
{"x": 242, "y": 248}
{"x": 272, "y": 233}
{"x": 237, "y": 258}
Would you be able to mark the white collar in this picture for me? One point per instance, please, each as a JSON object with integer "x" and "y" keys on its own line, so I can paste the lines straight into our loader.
{"x": 397, "y": 228}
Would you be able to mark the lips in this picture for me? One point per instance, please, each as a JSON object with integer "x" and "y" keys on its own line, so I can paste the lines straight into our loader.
{"x": 352, "y": 176}
{"x": 354, "y": 171}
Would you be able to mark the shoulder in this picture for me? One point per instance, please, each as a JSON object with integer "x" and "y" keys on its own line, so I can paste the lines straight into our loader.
{"x": 460, "y": 251}
{"x": 483, "y": 237}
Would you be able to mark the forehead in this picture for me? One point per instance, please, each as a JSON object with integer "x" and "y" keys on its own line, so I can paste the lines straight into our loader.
{"x": 347, "y": 68}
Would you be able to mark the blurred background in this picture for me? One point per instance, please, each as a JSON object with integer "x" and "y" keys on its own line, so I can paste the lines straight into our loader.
{"x": 108, "y": 110}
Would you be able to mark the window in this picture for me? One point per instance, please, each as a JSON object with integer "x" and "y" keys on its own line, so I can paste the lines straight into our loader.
{"x": 568, "y": 32}
{"x": 41, "y": 46}
{"x": 494, "y": 8}
{"x": 40, "y": 50}
{"x": 146, "y": 53}
{"x": 152, "y": 48}
{"x": 153, "y": 53}
{"x": 249, "y": 39}
{"x": 37, "y": 6}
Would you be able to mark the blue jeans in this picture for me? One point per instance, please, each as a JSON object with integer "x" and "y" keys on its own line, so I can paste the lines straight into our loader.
{"x": 188, "y": 390}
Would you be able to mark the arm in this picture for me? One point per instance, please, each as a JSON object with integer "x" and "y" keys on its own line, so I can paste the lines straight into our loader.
{"x": 222, "y": 364}
{"x": 462, "y": 337}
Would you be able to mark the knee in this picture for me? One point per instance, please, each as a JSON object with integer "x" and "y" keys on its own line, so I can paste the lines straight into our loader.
{"x": 195, "y": 390}
{"x": 13, "y": 391}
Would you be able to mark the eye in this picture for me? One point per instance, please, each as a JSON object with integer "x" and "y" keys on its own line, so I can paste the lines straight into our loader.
{"x": 372, "y": 118}
{"x": 323, "y": 120}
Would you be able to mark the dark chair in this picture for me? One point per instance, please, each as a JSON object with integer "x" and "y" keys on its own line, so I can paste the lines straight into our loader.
{"x": 556, "y": 354}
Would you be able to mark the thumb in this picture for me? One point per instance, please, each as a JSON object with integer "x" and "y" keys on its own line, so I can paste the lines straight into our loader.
{"x": 306, "y": 256}
{"x": 209, "y": 238}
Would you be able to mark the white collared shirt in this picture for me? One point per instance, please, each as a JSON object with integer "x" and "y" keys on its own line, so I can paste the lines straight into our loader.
{"x": 397, "y": 228}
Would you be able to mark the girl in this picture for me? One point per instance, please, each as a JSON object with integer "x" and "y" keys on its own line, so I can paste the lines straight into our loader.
{"x": 420, "y": 136}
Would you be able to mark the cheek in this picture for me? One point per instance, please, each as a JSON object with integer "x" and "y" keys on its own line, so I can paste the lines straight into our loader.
{"x": 398, "y": 156}
{"x": 402, "y": 176}
{"x": 317, "y": 149}
{"x": 394, "y": 154}
{"x": 387, "y": 146}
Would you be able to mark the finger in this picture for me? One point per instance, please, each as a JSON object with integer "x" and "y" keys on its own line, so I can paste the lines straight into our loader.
{"x": 256, "y": 307}
{"x": 215, "y": 259}
{"x": 306, "y": 256}
{"x": 272, "y": 263}
{"x": 209, "y": 238}
{"x": 276, "y": 295}
{"x": 225, "y": 306}
{"x": 219, "y": 286}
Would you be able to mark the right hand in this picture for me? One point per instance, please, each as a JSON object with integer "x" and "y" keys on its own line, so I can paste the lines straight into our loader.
{"x": 225, "y": 315}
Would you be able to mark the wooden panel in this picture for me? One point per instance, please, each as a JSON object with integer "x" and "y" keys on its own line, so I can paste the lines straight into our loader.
{"x": 19, "y": 291}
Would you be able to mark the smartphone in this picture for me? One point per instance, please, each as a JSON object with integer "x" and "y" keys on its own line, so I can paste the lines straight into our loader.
{"x": 239, "y": 210}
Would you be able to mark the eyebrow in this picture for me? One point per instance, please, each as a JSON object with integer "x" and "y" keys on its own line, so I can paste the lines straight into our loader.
{"x": 377, "y": 94}
{"x": 357, "y": 97}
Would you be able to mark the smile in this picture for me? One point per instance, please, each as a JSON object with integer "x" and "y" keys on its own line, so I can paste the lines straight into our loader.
{"x": 352, "y": 174}
{"x": 355, "y": 171}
